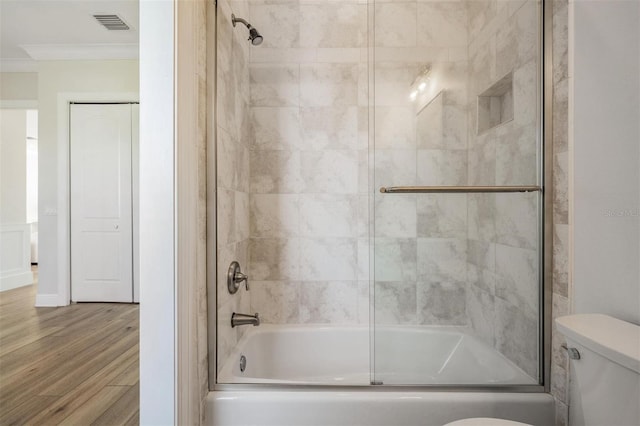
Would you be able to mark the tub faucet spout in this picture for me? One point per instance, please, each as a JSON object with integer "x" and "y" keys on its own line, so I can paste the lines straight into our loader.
{"x": 244, "y": 319}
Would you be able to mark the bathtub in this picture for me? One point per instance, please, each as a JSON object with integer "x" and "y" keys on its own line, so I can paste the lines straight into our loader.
{"x": 282, "y": 363}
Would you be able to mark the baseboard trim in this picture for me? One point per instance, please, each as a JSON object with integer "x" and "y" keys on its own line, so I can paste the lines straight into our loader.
{"x": 17, "y": 280}
{"x": 46, "y": 300}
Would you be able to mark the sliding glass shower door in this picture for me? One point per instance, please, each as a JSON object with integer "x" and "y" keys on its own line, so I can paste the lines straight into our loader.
{"x": 457, "y": 199}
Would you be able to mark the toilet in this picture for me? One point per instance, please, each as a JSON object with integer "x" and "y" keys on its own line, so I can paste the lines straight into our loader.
{"x": 605, "y": 370}
{"x": 605, "y": 373}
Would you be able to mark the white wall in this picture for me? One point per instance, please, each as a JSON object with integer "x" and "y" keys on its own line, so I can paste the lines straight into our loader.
{"x": 32, "y": 165}
{"x": 58, "y": 79}
{"x": 13, "y": 170}
{"x": 157, "y": 268}
{"x": 605, "y": 144}
{"x": 16, "y": 88}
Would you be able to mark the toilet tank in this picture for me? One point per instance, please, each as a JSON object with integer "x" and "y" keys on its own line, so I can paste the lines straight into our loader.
{"x": 605, "y": 381}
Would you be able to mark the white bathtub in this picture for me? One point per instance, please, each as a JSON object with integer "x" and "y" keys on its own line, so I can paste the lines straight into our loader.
{"x": 304, "y": 355}
{"x": 341, "y": 356}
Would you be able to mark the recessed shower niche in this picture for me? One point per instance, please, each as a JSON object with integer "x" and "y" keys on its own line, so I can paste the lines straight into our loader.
{"x": 495, "y": 105}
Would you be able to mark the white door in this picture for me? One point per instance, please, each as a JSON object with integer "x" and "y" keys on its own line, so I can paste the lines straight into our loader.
{"x": 101, "y": 203}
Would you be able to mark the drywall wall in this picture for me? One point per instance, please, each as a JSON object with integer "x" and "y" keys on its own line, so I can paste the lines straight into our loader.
{"x": 18, "y": 86}
{"x": 605, "y": 107}
{"x": 59, "y": 80}
{"x": 157, "y": 268}
{"x": 13, "y": 154}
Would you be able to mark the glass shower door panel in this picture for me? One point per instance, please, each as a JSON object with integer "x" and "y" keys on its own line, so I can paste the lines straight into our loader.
{"x": 459, "y": 302}
{"x": 456, "y": 257}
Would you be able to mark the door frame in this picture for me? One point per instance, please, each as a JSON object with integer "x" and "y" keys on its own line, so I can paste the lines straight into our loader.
{"x": 64, "y": 179}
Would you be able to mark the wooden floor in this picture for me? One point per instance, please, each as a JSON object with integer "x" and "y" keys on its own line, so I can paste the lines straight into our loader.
{"x": 73, "y": 365}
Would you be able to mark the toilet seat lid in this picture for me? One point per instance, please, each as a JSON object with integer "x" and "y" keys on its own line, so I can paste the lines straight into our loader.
{"x": 485, "y": 421}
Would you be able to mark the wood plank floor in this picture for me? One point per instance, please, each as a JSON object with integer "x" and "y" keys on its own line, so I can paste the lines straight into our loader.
{"x": 73, "y": 365}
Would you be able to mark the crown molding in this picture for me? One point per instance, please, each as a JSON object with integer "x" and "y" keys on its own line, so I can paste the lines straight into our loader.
{"x": 75, "y": 52}
{"x": 18, "y": 65}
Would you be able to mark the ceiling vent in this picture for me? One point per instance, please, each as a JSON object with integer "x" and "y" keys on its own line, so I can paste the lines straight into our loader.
{"x": 112, "y": 22}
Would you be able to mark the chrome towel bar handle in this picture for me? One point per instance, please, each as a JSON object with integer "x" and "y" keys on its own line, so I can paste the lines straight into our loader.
{"x": 457, "y": 189}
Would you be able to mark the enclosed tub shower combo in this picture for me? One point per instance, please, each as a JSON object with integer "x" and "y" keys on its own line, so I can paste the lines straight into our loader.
{"x": 380, "y": 213}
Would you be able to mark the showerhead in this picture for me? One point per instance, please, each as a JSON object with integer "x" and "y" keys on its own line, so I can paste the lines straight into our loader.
{"x": 254, "y": 36}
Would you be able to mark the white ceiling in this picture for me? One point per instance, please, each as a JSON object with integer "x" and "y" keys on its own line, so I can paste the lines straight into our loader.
{"x": 55, "y": 29}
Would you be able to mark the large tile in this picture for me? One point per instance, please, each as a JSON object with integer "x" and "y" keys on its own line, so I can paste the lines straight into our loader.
{"x": 226, "y": 160}
{"x": 442, "y": 215}
{"x": 333, "y": 302}
{"x": 395, "y": 216}
{"x": 274, "y": 259}
{"x": 517, "y": 219}
{"x": 441, "y": 303}
{"x": 330, "y": 171}
{"x": 517, "y": 278}
{"x": 442, "y": 260}
{"x": 277, "y": 22}
{"x": 333, "y": 127}
{"x": 226, "y": 217}
{"x": 333, "y": 24}
{"x": 328, "y": 85}
{"x": 364, "y": 302}
{"x": 395, "y": 24}
{"x": 480, "y": 13}
{"x": 442, "y": 23}
{"x": 525, "y": 94}
{"x": 276, "y": 172}
{"x": 561, "y": 116}
{"x": 275, "y": 128}
{"x": 394, "y": 167}
{"x": 561, "y": 188}
{"x": 275, "y": 215}
{"x": 517, "y": 336}
{"x": 395, "y": 128}
{"x": 393, "y": 82}
{"x": 395, "y": 259}
{"x": 527, "y": 31}
{"x": 441, "y": 167}
{"x": 275, "y": 301}
{"x": 482, "y": 212}
{"x": 481, "y": 267}
{"x": 242, "y": 219}
{"x": 365, "y": 250}
{"x": 454, "y": 122}
{"x": 430, "y": 124}
{"x": 516, "y": 156}
{"x": 395, "y": 303}
{"x": 480, "y": 313}
{"x": 506, "y": 47}
{"x": 561, "y": 259}
{"x": 323, "y": 259}
{"x": 482, "y": 162}
{"x": 560, "y": 41}
{"x": 328, "y": 215}
{"x": 275, "y": 85}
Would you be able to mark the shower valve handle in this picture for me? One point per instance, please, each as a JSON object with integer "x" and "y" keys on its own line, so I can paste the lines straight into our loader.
{"x": 235, "y": 277}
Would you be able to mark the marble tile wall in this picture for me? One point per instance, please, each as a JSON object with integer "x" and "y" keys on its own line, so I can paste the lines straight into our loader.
{"x": 232, "y": 162}
{"x": 308, "y": 221}
{"x": 502, "y": 244}
{"x": 420, "y": 240}
{"x": 561, "y": 220}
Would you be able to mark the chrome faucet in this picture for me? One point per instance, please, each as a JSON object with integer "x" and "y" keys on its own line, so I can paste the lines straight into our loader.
{"x": 244, "y": 319}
